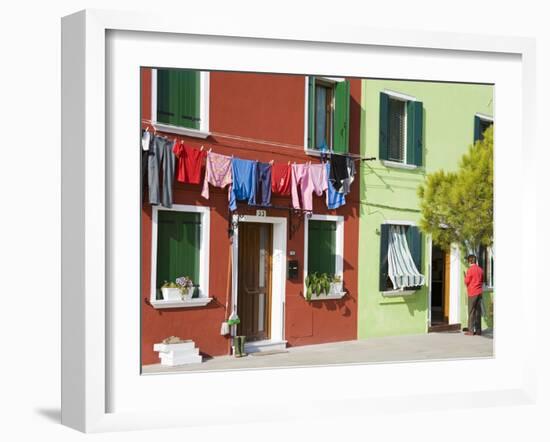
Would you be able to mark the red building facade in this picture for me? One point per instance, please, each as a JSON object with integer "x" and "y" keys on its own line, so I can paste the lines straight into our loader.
{"x": 266, "y": 118}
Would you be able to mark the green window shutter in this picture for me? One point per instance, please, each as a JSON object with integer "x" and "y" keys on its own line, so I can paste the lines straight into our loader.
{"x": 384, "y": 137}
{"x": 321, "y": 253}
{"x": 415, "y": 115}
{"x": 311, "y": 113}
{"x": 341, "y": 116}
{"x": 477, "y": 129}
{"x": 384, "y": 242}
{"x": 414, "y": 241}
{"x": 189, "y": 99}
{"x": 178, "y": 246}
{"x": 168, "y": 91}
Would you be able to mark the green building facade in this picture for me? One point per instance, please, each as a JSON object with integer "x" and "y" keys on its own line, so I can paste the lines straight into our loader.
{"x": 414, "y": 128}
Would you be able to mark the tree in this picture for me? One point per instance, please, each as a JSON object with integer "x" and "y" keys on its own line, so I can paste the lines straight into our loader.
{"x": 457, "y": 207}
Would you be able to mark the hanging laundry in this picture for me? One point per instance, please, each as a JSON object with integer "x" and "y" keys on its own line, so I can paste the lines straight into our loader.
{"x": 346, "y": 182}
{"x": 163, "y": 157}
{"x": 263, "y": 184}
{"x": 338, "y": 170}
{"x": 189, "y": 168}
{"x": 307, "y": 179}
{"x": 281, "y": 175}
{"x": 219, "y": 172}
{"x": 334, "y": 199}
{"x": 244, "y": 182}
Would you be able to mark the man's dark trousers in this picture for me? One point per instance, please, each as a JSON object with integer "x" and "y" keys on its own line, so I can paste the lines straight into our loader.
{"x": 474, "y": 314}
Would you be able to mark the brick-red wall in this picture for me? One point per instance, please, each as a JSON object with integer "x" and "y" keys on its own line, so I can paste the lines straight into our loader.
{"x": 262, "y": 107}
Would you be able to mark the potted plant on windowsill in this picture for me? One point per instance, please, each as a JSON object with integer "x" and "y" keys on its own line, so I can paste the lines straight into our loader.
{"x": 317, "y": 284}
{"x": 182, "y": 288}
{"x": 336, "y": 285}
{"x": 170, "y": 291}
{"x": 186, "y": 287}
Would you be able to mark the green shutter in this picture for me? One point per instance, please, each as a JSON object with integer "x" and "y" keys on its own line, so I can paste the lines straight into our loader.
{"x": 414, "y": 241}
{"x": 321, "y": 253}
{"x": 384, "y": 137}
{"x": 189, "y": 99}
{"x": 178, "y": 246}
{"x": 311, "y": 113}
{"x": 414, "y": 132}
{"x": 384, "y": 242}
{"x": 178, "y": 97}
{"x": 168, "y": 90}
{"x": 477, "y": 129}
{"x": 341, "y": 116}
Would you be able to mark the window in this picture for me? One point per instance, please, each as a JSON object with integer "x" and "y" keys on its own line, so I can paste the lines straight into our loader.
{"x": 481, "y": 124}
{"x": 328, "y": 114}
{"x": 401, "y": 130}
{"x": 321, "y": 253}
{"x": 400, "y": 257}
{"x": 324, "y": 245}
{"x": 180, "y": 245}
{"x": 181, "y": 104}
{"x": 485, "y": 261}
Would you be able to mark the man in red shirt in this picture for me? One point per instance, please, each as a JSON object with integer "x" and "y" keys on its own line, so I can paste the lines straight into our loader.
{"x": 473, "y": 278}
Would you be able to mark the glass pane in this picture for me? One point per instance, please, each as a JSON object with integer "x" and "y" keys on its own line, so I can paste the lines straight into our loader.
{"x": 320, "y": 116}
{"x": 397, "y": 130}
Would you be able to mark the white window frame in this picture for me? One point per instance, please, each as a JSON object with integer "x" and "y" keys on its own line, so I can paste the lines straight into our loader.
{"x": 489, "y": 257}
{"x": 402, "y": 291}
{"x": 339, "y": 247}
{"x": 396, "y": 164}
{"x": 204, "y": 258}
{"x": 204, "y": 130}
{"x": 333, "y": 81}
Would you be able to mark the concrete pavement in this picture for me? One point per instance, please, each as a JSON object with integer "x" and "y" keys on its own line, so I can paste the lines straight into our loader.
{"x": 431, "y": 346}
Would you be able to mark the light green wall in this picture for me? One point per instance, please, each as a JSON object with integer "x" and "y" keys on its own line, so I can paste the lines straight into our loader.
{"x": 390, "y": 193}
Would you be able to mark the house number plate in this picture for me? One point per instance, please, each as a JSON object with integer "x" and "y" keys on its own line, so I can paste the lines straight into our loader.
{"x": 261, "y": 213}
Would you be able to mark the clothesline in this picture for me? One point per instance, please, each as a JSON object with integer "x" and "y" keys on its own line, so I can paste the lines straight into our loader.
{"x": 354, "y": 156}
{"x": 164, "y": 159}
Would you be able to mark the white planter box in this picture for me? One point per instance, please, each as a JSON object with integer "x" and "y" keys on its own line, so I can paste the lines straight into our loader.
{"x": 336, "y": 287}
{"x": 171, "y": 294}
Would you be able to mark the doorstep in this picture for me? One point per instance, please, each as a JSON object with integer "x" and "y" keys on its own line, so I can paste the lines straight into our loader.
{"x": 441, "y": 328}
{"x": 261, "y": 346}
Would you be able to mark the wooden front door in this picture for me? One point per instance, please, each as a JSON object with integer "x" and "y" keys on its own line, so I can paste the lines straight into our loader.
{"x": 254, "y": 280}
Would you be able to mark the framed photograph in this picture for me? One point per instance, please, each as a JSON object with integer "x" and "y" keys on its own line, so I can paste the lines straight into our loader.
{"x": 275, "y": 222}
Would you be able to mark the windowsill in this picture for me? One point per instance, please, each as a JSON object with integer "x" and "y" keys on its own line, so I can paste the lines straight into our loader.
{"x": 398, "y": 165}
{"x": 401, "y": 292}
{"x": 193, "y": 302}
{"x": 329, "y": 296}
{"x": 179, "y": 130}
{"x": 317, "y": 152}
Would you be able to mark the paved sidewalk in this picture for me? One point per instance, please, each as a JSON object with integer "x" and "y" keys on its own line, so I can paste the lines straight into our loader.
{"x": 374, "y": 350}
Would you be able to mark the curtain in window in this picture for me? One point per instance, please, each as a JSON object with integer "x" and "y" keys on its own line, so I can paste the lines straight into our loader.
{"x": 320, "y": 116}
{"x": 401, "y": 268}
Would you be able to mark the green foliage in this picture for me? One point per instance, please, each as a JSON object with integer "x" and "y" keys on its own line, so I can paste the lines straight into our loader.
{"x": 169, "y": 285}
{"x": 457, "y": 207}
{"x": 319, "y": 284}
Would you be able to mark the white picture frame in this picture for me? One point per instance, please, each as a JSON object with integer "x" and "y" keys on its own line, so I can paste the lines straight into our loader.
{"x": 91, "y": 371}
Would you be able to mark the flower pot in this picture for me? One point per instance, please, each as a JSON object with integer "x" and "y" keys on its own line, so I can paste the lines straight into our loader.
{"x": 187, "y": 294}
{"x": 336, "y": 287}
{"x": 171, "y": 294}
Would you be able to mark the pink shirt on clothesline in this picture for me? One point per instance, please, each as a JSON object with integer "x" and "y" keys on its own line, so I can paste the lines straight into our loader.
{"x": 218, "y": 172}
{"x": 307, "y": 179}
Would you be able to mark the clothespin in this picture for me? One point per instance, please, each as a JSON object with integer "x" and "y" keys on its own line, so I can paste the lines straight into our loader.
{"x": 202, "y": 148}
{"x": 271, "y": 162}
{"x": 289, "y": 162}
{"x": 210, "y": 150}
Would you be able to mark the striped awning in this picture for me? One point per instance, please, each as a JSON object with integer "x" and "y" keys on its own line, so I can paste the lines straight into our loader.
{"x": 401, "y": 268}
